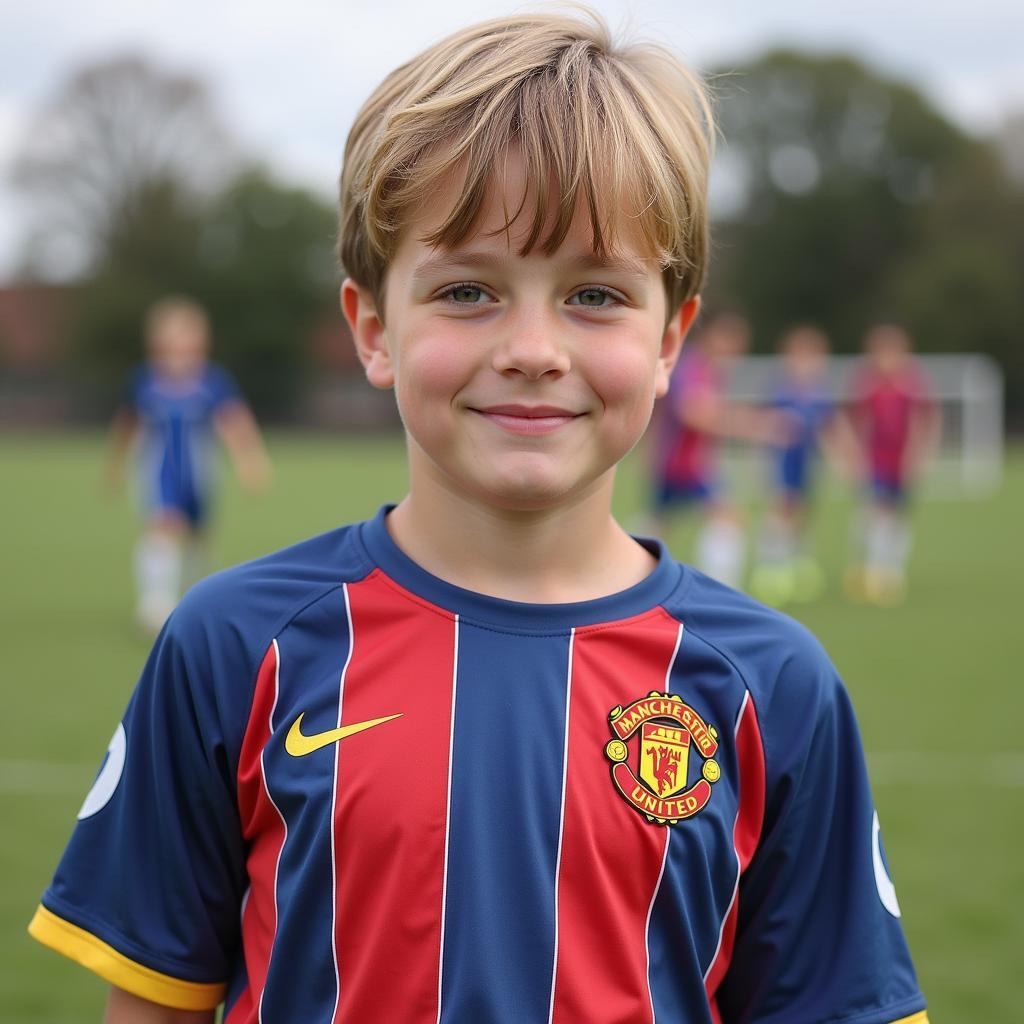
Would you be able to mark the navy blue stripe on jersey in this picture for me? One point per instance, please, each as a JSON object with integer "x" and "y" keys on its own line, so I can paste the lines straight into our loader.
{"x": 302, "y": 788}
{"x": 505, "y": 779}
{"x": 178, "y": 464}
{"x": 700, "y": 871}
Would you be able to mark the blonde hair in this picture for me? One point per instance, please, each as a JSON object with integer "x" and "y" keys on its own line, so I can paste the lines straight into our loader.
{"x": 621, "y": 132}
{"x": 174, "y": 307}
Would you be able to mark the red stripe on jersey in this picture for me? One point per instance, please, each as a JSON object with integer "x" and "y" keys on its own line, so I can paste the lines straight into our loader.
{"x": 264, "y": 828}
{"x": 391, "y": 805}
{"x": 746, "y": 836}
{"x": 611, "y": 857}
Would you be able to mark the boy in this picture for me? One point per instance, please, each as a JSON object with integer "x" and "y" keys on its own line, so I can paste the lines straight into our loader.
{"x": 690, "y": 423}
{"x": 172, "y": 408}
{"x": 786, "y": 569}
{"x": 462, "y": 763}
{"x": 897, "y": 424}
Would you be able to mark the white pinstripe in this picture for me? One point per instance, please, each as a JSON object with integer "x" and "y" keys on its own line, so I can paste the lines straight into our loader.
{"x": 561, "y": 817}
{"x": 447, "y": 821}
{"x": 334, "y": 802}
{"x": 736, "y": 886}
{"x": 266, "y": 789}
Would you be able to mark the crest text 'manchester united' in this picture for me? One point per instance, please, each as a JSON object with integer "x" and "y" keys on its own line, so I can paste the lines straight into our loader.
{"x": 650, "y": 755}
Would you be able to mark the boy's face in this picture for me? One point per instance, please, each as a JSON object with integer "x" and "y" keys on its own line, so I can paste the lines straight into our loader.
{"x": 888, "y": 349}
{"x": 521, "y": 380}
{"x": 178, "y": 345}
{"x": 726, "y": 339}
{"x": 805, "y": 355}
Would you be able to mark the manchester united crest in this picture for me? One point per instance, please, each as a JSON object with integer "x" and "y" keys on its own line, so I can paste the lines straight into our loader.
{"x": 655, "y": 740}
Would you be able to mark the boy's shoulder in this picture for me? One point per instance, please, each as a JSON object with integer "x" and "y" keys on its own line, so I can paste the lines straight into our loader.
{"x": 779, "y": 660}
{"x": 219, "y": 379}
{"x": 137, "y": 379}
{"x": 238, "y": 611}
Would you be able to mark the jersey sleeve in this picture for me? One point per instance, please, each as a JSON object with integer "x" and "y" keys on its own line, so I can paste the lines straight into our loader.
{"x": 131, "y": 393}
{"x": 149, "y": 889}
{"x": 819, "y": 935}
{"x": 223, "y": 387}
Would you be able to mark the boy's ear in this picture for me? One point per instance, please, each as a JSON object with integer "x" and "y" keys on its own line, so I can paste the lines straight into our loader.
{"x": 672, "y": 342}
{"x": 368, "y": 333}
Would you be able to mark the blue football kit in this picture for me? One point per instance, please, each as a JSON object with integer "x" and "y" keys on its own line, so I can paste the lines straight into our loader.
{"x": 177, "y": 418}
{"x": 345, "y": 790}
{"x": 807, "y": 413}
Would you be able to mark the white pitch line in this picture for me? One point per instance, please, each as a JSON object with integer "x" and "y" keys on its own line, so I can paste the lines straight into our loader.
{"x": 887, "y": 768}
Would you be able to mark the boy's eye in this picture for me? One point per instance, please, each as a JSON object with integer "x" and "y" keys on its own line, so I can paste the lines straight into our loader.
{"x": 592, "y": 297}
{"x": 465, "y": 294}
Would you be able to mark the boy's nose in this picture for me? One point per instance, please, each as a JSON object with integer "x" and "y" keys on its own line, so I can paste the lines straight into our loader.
{"x": 531, "y": 346}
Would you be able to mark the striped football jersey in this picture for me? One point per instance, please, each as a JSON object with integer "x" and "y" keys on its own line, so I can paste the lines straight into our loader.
{"x": 347, "y": 791}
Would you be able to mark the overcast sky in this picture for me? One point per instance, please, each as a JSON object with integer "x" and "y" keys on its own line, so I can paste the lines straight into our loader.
{"x": 289, "y": 76}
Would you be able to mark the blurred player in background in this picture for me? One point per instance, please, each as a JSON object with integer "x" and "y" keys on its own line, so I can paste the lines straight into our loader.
{"x": 172, "y": 408}
{"x": 896, "y": 422}
{"x": 787, "y": 570}
{"x": 692, "y": 420}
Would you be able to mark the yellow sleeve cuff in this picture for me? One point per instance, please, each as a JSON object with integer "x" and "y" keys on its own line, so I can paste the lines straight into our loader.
{"x": 93, "y": 953}
{"x": 914, "y": 1018}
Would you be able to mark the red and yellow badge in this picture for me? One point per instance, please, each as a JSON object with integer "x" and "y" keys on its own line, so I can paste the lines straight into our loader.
{"x": 655, "y": 735}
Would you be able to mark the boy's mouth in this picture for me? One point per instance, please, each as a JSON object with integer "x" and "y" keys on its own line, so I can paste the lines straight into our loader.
{"x": 527, "y": 419}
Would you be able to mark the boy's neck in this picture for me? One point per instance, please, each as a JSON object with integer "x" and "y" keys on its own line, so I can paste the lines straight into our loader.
{"x": 576, "y": 552}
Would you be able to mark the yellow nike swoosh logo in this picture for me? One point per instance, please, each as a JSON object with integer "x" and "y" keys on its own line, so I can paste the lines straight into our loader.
{"x": 298, "y": 745}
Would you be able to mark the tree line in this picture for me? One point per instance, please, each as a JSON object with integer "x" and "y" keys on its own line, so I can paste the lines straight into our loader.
{"x": 858, "y": 201}
{"x": 842, "y": 197}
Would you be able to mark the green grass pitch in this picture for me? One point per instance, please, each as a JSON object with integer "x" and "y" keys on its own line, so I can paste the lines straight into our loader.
{"x": 937, "y": 684}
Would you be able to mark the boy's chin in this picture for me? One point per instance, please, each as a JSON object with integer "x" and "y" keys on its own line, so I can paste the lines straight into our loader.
{"x": 530, "y": 491}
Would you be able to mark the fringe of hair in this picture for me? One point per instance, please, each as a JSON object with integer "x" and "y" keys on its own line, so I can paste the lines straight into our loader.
{"x": 620, "y": 133}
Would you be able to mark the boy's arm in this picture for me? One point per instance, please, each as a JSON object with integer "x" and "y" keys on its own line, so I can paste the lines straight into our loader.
{"x": 124, "y": 1008}
{"x": 241, "y": 435}
{"x": 709, "y": 414}
{"x": 123, "y": 429}
{"x": 925, "y": 431}
{"x": 148, "y": 892}
{"x": 839, "y": 442}
{"x": 818, "y": 935}
{"x": 849, "y": 437}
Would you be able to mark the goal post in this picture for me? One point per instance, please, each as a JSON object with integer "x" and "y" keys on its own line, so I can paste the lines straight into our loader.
{"x": 967, "y": 389}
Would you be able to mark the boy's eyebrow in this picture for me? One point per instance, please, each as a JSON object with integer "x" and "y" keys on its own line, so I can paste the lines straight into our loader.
{"x": 452, "y": 259}
{"x": 617, "y": 263}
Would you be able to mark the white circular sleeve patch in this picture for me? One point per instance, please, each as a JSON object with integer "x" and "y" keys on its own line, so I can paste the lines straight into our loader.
{"x": 108, "y": 778}
{"x": 886, "y": 890}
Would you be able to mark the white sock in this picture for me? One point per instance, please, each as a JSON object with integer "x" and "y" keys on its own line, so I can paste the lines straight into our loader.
{"x": 720, "y": 551}
{"x": 888, "y": 543}
{"x": 897, "y": 543}
{"x": 193, "y": 562}
{"x": 157, "y": 577}
{"x": 778, "y": 545}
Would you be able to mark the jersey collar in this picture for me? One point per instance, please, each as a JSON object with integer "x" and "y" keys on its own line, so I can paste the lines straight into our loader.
{"x": 521, "y": 616}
